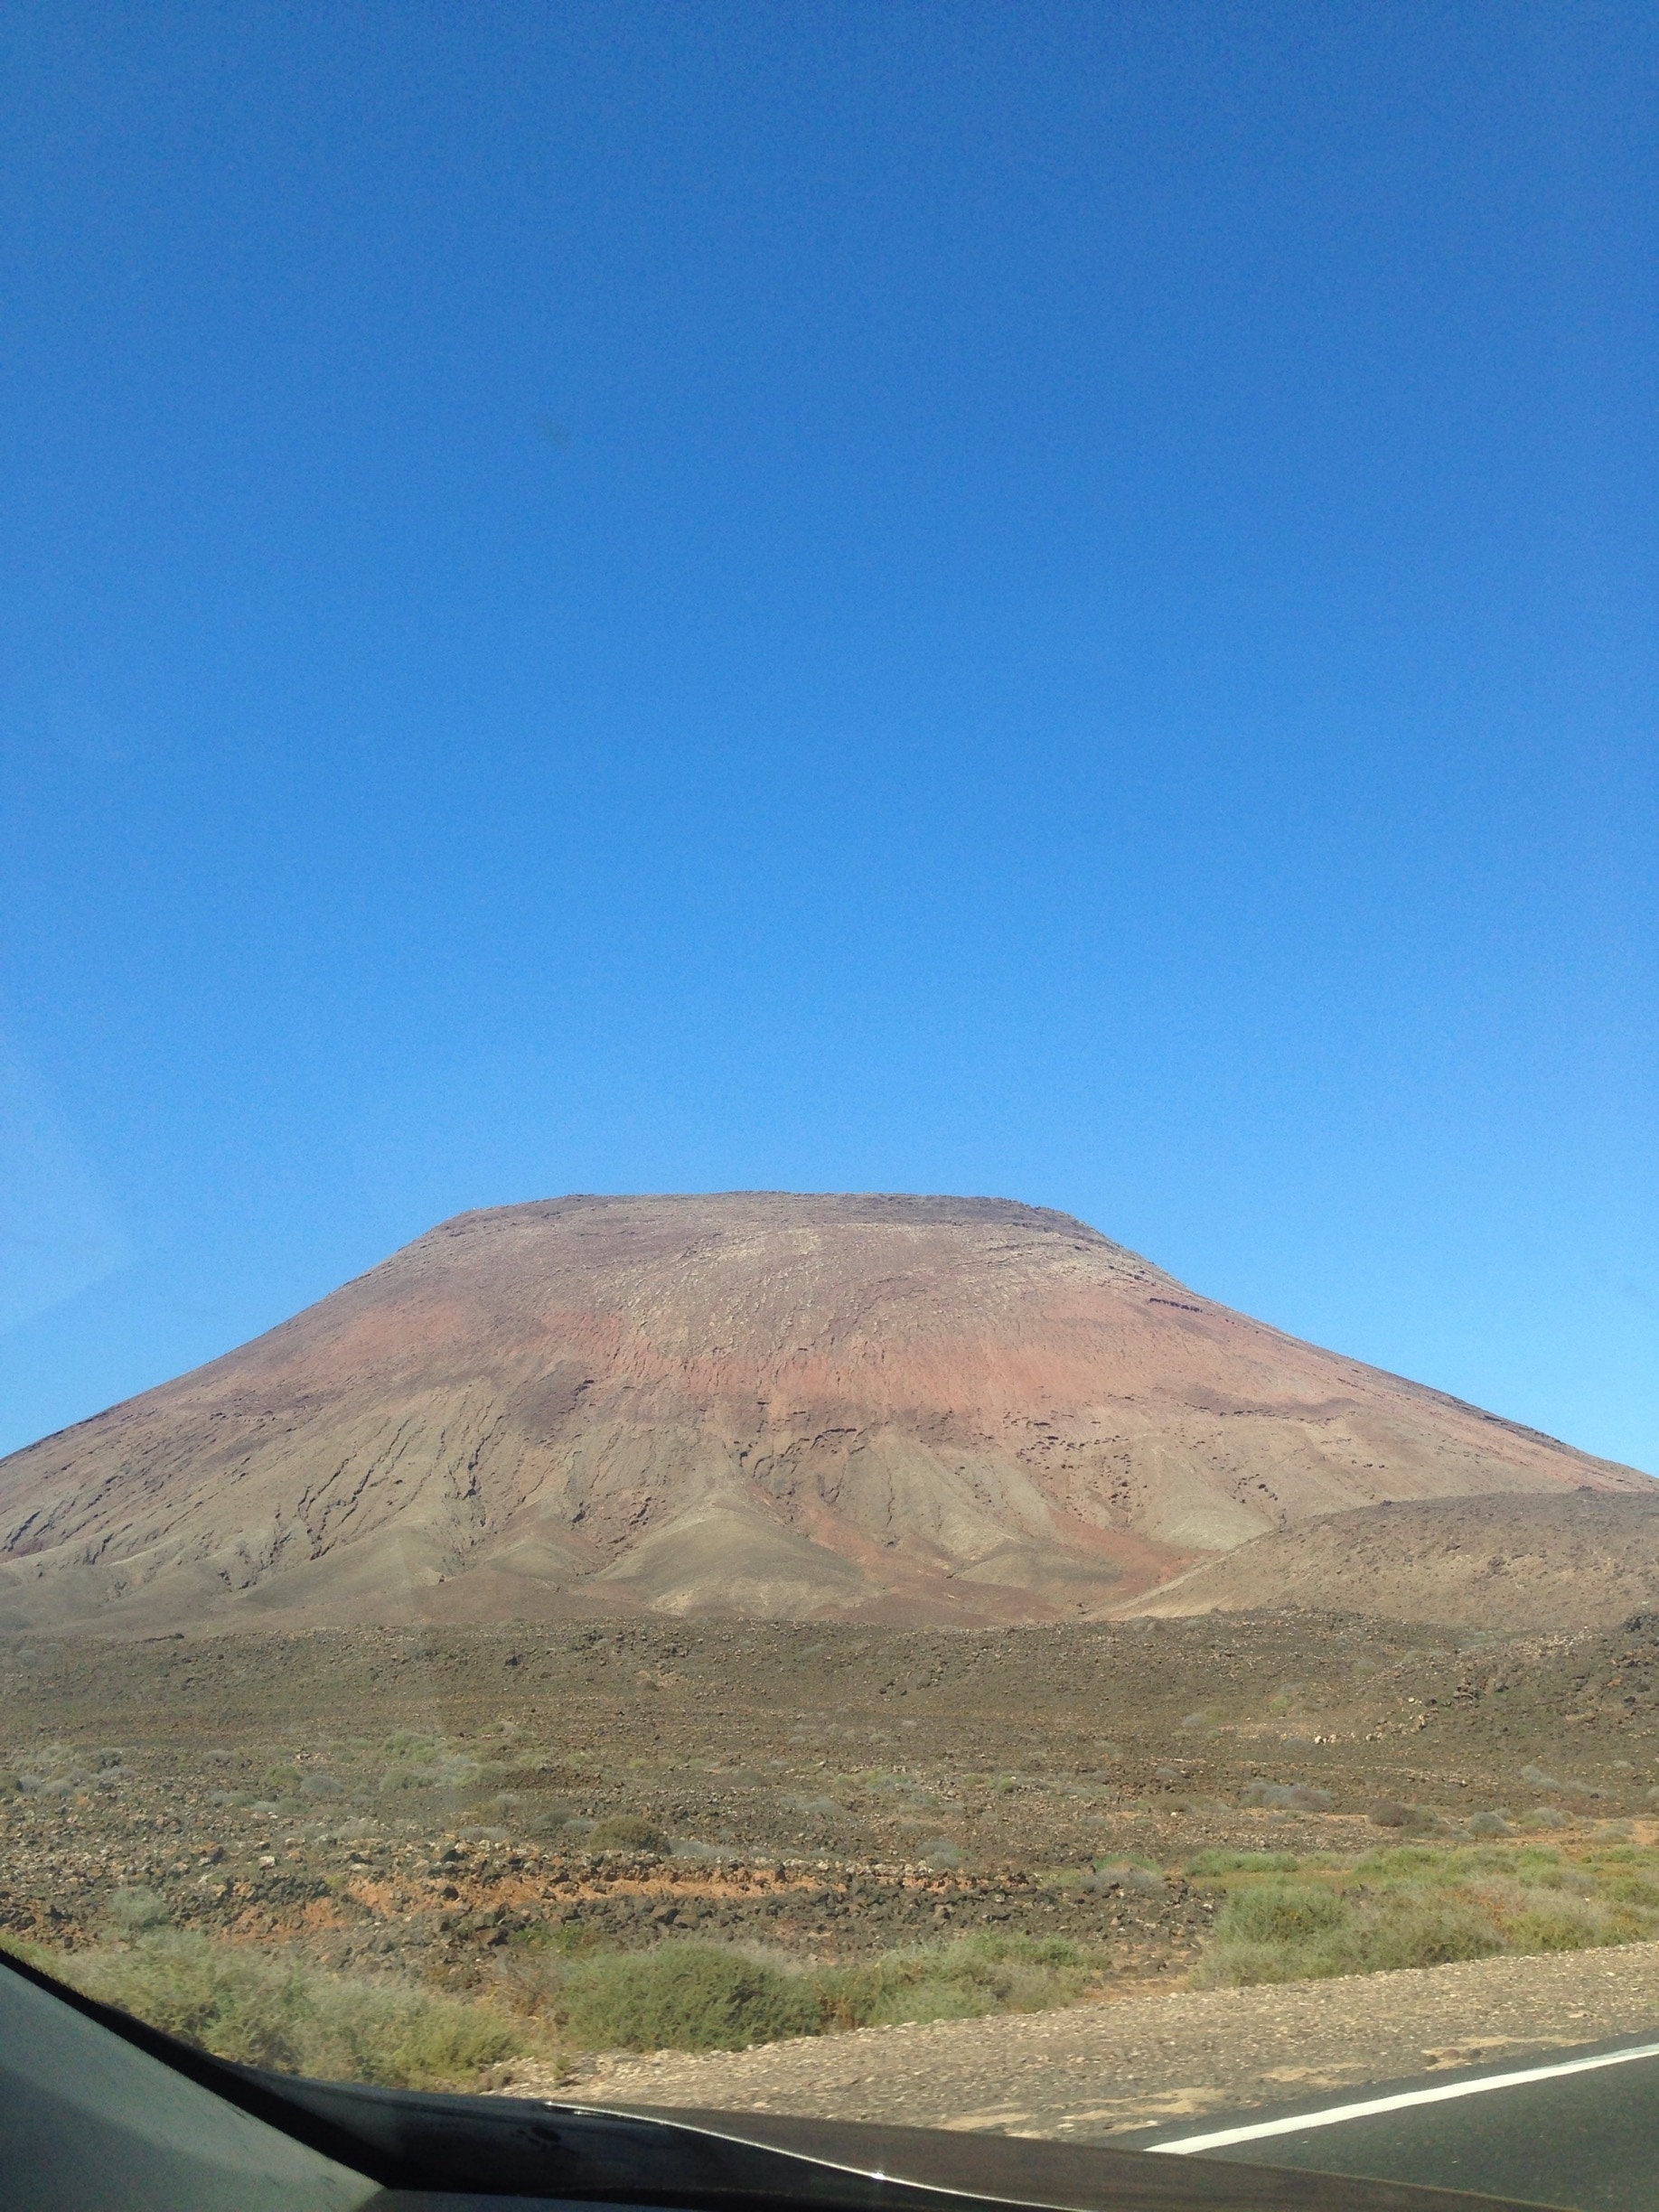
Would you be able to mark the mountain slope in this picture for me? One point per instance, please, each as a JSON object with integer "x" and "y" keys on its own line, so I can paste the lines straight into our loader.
{"x": 1506, "y": 1563}
{"x": 898, "y": 1407}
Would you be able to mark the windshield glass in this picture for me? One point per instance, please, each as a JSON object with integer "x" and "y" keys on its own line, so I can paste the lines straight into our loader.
{"x": 826, "y": 1055}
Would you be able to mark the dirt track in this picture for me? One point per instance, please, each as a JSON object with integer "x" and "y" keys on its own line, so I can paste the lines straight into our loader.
{"x": 1098, "y": 2070}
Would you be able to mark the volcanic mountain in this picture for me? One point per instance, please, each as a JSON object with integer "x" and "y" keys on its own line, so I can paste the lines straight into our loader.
{"x": 898, "y": 1409}
{"x": 1584, "y": 1559}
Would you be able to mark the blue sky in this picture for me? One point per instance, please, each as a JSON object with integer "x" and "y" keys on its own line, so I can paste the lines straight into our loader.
{"x": 1054, "y": 600}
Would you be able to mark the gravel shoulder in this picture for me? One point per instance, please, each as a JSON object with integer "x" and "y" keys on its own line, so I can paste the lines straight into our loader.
{"x": 1087, "y": 2074}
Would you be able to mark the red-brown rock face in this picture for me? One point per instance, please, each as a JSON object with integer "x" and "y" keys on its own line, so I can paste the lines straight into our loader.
{"x": 905, "y": 1409}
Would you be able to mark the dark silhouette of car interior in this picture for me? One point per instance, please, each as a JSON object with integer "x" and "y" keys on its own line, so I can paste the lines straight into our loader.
{"x": 99, "y": 2112}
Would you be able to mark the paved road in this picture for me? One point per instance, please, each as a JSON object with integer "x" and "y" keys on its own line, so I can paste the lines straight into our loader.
{"x": 1579, "y": 2129}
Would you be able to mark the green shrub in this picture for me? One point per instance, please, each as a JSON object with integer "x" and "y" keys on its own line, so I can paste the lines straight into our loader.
{"x": 1279, "y": 1914}
{"x": 964, "y": 1980}
{"x": 626, "y": 1831}
{"x": 1532, "y": 1859}
{"x": 1292, "y": 1935}
{"x": 451, "y": 1770}
{"x": 284, "y": 1781}
{"x": 130, "y": 1912}
{"x": 269, "y": 2011}
{"x": 1389, "y": 1812}
{"x": 1242, "y": 1862}
{"x": 1422, "y": 1905}
{"x": 683, "y": 1996}
{"x": 942, "y": 1852}
{"x": 693, "y": 1996}
{"x": 1561, "y": 1926}
{"x": 1412, "y": 1933}
{"x": 1402, "y": 1861}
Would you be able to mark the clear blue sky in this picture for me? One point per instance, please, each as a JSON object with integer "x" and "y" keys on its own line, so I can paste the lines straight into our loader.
{"x": 1049, "y": 600}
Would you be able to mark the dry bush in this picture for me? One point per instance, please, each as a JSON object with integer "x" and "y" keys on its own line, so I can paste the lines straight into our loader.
{"x": 269, "y": 2010}
{"x": 1420, "y": 1904}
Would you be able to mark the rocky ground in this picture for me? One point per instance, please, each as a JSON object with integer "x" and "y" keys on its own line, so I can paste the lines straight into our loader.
{"x": 433, "y": 1800}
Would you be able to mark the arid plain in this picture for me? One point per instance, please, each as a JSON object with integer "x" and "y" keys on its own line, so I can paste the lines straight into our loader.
{"x": 862, "y": 1610}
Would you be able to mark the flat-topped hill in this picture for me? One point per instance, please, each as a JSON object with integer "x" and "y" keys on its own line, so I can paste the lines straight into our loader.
{"x": 899, "y": 1409}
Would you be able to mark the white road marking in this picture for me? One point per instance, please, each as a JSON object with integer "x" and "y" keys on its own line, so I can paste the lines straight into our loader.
{"x": 1442, "y": 2094}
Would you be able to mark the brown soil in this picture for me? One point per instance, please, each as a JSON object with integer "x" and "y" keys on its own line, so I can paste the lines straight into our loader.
{"x": 895, "y": 1409}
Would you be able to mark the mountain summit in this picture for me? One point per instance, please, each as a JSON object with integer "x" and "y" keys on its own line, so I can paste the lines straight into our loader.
{"x": 899, "y": 1409}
